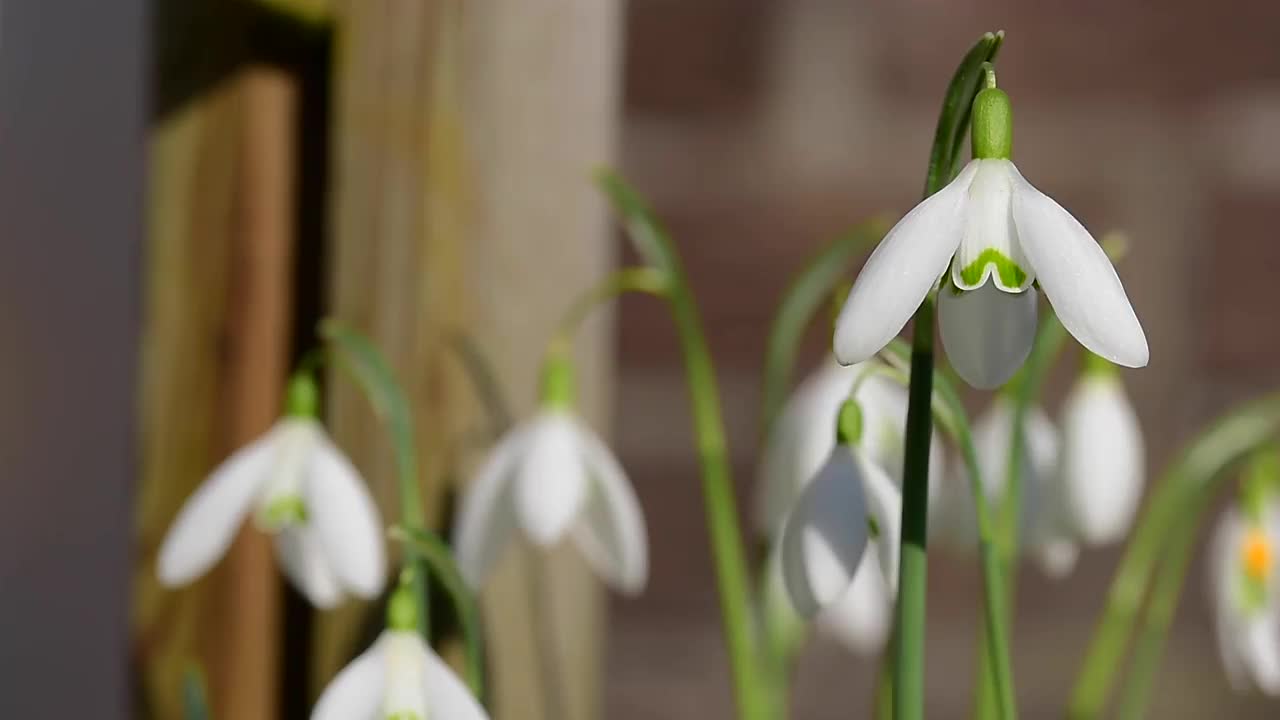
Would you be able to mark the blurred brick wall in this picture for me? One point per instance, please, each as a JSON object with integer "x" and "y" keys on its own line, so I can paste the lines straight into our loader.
{"x": 761, "y": 129}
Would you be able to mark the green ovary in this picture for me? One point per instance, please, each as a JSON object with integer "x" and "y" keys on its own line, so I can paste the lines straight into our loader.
{"x": 407, "y": 715}
{"x": 1011, "y": 275}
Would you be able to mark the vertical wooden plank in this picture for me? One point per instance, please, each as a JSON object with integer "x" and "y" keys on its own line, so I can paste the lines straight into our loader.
{"x": 216, "y": 343}
{"x": 465, "y": 134}
{"x": 542, "y": 92}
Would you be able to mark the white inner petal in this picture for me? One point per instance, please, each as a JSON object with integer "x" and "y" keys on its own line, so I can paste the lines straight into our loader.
{"x": 297, "y": 441}
{"x": 987, "y": 333}
{"x": 989, "y": 248}
{"x": 405, "y": 694}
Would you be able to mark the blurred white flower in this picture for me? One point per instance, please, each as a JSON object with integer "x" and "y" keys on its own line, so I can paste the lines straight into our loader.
{"x": 1245, "y": 592}
{"x": 998, "y": 235}
{"x": 552, "y": 476}
{"x": 803, "y": 436}
{"x": 1103, "y": 458}
{"x": 328, "y": 534}
{"x": 849, "y": 506}
{"x": 1044, "y": 531}
{"x": 399, "y": 678}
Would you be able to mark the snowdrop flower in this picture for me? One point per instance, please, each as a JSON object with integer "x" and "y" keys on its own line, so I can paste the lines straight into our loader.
{"x": 860, "y": 619}
{"x": 1103, "y": 458}
{"x": 1044, "y": 530}
{"x": 850, "y": 505}
{"x": 801, "y": 440}
{"x": 301, "y": 489}
{"x": 552, "y": 477}
{"x": 399, "y": 678}
{"x": 999, "y": 237}
{"x": 1245, "y": 591}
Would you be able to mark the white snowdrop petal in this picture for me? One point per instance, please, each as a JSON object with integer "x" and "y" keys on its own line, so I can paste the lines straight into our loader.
{"x": 611, "y": 533}
{"x": 304, "y": 562}
{"x": 801, "y": 440}
{"x": 345, "y": 520}
{"x": 1057, "y": 557}
{"x": 551, "y": 481}
{"x": 863, "y": 615}
{"x": 208, "y": 521}
{"x": 1103, "y": 461}
{"x": 486, "y": 514}
{"x": 989, "y": 253}
{"x": 901, "y": 271}
{"x": 884, "y": 505}
{"x": 448, "y": 698}
{"x": 987, "y": 333}
{"x": 825, "y": 535}
{"x": 356, "y": 692}
{"x": 1221, "y": 578}
{"x": 1262, "y": 652}
{"x": 1077, "y": 277}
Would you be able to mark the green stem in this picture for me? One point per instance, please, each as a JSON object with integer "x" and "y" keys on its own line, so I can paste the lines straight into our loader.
{"x": 908, "y": 695}
{"x": 373, "y": 375}
{"x": 953, "y": 122}
{"x": 750, "y": 692}
{"x": 721, "y": 506}
{"x": 1159, "y": 616}
{"x": 434, "y": 552}
{"x": 625, "y": 280}
{"x": 1230, "y": 438}
{"x": 949, "y": 413}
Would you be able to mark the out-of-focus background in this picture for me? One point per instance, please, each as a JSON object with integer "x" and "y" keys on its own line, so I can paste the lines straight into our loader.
{"x": 186, "y": 186}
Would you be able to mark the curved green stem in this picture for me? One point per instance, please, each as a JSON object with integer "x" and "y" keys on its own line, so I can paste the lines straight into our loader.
{"x": 750, "y": 693}
{"x": 1230, "y": 438}
{"x": 806, "y": 294}
{"x": 358, "y": 356}
{"x": 434, "y": 552}
{"x": 953, "y": 121}
{"x": 617, "y": 283}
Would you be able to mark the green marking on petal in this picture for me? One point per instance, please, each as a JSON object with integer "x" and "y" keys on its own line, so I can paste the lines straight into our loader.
{"x": 285, "y": 510}
{"x": 1252, "y": 594}
{"x": 874, "y": 526}
{"x": 1011, "y": 275}
{"x": 407, "y": 715}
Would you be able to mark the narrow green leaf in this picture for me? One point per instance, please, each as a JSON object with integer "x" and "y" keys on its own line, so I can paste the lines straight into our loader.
{"x": 356, "y": 354}
{"x": 806, "y": 294}
{"x": 437, "y": 554}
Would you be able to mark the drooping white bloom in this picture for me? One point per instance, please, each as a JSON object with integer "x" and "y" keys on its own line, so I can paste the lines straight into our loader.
{"x": 1245, "y": 592}
{"x": 303, "y": 490}
{"x": 850, "y": 505}
{"x": 1103, "y": 458}
{"x": 997, "y": 234}
{"x": 1044, "y": 530}
{"x": 553, "y": 477}
{"x": 399, "y": 678}
{"x": 802, "y": 438}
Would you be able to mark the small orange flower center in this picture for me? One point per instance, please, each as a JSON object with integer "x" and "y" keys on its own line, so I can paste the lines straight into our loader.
{"x": 1257, "y": 555}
